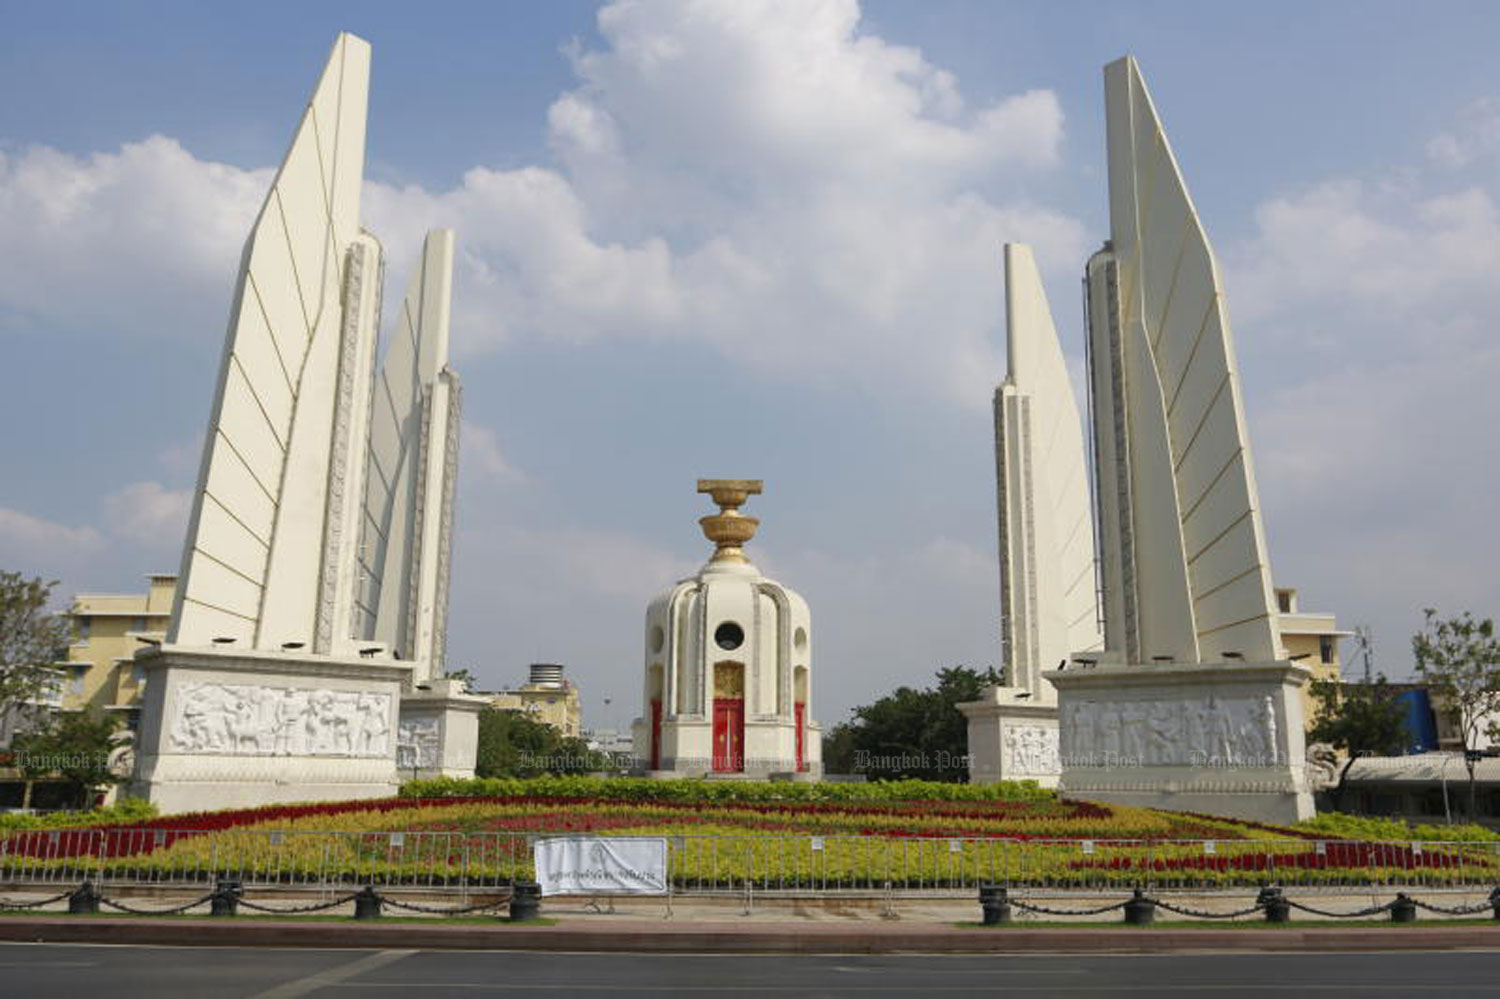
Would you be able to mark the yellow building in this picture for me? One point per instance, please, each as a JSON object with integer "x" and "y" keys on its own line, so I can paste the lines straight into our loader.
{"x": 108, "y": 628}
{"x": 1312, "y": 639}
{"x": 546, "y": 697}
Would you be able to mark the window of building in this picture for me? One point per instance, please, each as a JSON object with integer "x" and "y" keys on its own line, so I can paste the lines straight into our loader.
{"x": 1326, "y": 648}
{"x": 76, "y": 687}
{"x": 1283, "y": 601}
{"x": 138, "y": 624}
{"x": 81, "y": 630}
{"x": 729, "y": 636}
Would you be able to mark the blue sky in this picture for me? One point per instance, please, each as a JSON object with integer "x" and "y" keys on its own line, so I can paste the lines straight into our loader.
{"x": 746, "y": 240}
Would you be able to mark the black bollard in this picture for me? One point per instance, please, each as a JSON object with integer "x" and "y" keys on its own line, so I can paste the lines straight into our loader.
{"x": 1495, "y": 901}
{"x": 367, "y": 904}
{"x": 525, "y": 901}
{"x": 1140, "y": 910}
{"x": 84, "y": 900}
{"x": 995, "y": 901}
{"x": 1403, "y": 910}
{"x": 1277, "y": 908}
{"x": 226, "y": 898}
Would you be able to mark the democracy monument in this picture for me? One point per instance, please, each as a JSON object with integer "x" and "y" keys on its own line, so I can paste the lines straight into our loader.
{"x": 305, "y": 655}
{"x": 304, "y": 659}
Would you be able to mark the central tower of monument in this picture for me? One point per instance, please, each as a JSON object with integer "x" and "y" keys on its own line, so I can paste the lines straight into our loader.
{"x": 728, "y": 664}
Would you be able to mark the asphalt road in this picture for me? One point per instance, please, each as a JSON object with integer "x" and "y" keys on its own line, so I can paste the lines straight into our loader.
{"x": 70, "y": 970}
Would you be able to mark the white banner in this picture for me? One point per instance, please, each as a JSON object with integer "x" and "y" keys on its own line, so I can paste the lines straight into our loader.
{"x": 593, "y": 865}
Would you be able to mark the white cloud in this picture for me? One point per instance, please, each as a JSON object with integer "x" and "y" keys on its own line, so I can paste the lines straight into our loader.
{"x": 148, "y": 514}
{"x": 767, "y": 178}
{"x": 1476, "y": 138}
{"x": 480, "y": 449}
{"x": 143, "y": 241}
{"x": 1366, "y": 307}
{"x": 26, "y": 537}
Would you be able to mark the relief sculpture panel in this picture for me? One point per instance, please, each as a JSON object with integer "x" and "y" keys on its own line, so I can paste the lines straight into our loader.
{"x": 418, "y": 746}
{"x": 251, "y": 720}
{"x": 1030, "y": 750}
{"x": 1190, "y": 732}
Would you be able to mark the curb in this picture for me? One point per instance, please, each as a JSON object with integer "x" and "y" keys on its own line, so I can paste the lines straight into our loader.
{"x": 734, "y": 938}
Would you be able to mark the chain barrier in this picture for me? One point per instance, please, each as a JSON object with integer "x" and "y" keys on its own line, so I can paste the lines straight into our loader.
{"x": 294, "y": 909}
{"x": 158, "y": 912}
{"x": 1461, "y": 910}
{"x": 1204, "y": 913}
{"x": 20, "y": 906}
{"x": 1373, "y": 910}
{"x": 433, "y": 910}
{"x": 1067, "y": 912}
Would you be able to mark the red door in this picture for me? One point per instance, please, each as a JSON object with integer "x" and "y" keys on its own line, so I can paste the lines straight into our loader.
{"x": 729, "y": 734}
{"x": 656, "y": 734}
{"x": 801, "y": 719}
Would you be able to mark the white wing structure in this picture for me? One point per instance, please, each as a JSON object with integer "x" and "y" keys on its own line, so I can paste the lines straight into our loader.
{"x": 273, "y": 556}
{"x": 1049, "y": 605}
{"x": 1185, "y": 573}
{"x": 413, "y": 464}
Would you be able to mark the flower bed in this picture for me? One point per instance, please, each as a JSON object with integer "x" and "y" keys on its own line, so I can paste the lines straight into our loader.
{"x": 772, "y": 835}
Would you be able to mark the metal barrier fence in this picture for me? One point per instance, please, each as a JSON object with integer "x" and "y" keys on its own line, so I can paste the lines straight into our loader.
{"x": 710, "y": 864}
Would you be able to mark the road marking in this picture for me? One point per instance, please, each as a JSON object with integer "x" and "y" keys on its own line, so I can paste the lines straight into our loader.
{"x": 333, "y": 976}
{"x": 48, "y": 964}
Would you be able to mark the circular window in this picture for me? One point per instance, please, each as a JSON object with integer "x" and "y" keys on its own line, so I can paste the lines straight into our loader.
{"x": 658, "y": 638}
{"x": 729, "y": 636}
{"x": 799, "y": 639}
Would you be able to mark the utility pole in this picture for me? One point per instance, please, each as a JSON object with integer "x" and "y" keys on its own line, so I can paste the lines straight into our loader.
{"x": 1366, "y": 648}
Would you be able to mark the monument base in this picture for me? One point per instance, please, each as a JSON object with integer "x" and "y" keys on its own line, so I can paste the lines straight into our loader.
{"x": 239, "y": 729}
{"x": 439, "y": 731}
{"x": 1011, "y": 738}
{"x": 1220, "y": 739}
{"x": 769, "y": 751}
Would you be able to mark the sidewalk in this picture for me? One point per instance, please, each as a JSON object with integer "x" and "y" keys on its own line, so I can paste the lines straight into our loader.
{"x": 740, "y": 936}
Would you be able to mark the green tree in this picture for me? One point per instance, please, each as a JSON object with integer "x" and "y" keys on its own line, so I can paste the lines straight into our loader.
{"x": 839, "y": 749}
{"x": 1459, "y": 658}
{"x": 73, "y": 745}
{"x": 31, "y": 640}
{"x": 912, "y": 734}
{"x": 511, "y": 744}
{"x": 1363, "y": 719}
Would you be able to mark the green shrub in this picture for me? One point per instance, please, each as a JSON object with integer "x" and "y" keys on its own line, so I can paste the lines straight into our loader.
{"x": 1338, "y": 825}
{"x": 708, "y": 791}
{"x": 126, "y": 811}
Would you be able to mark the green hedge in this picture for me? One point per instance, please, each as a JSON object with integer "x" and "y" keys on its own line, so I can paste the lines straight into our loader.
{"x": 127, "y": 811}
{"x": 1338, "y": 825}
{"x": 710, "y": 791}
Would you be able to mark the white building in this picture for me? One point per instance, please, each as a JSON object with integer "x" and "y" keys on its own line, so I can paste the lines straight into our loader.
{"x": 306, "y": 638}
{"x": 728, "y": 657}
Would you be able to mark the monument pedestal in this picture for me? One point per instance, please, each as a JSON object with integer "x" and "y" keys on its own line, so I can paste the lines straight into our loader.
{"x": 439, "y": 732}
{"x": 239, "y": 729}
{"x": 1218, "y": 738}
{"x": 1011, "y": 738}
